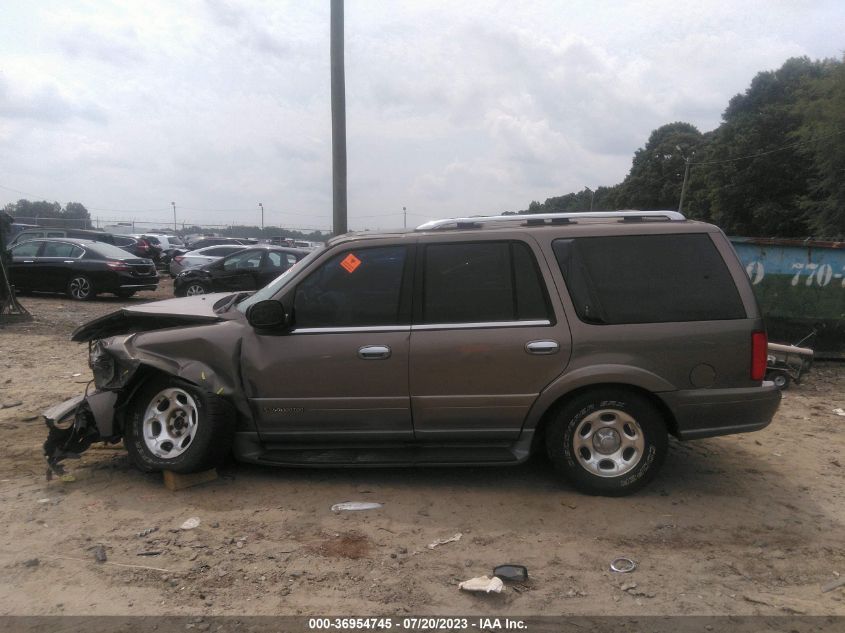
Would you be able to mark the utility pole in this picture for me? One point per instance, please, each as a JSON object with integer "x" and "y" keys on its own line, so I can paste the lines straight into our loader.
{"x": 684, "y": 186}
{"x": 262, "y": 216}
{"x": 405, "y": 217}
{"x": 592, "y": 196}
{"x": 687, "y": 160}
{"x": 173, "y": 204}
{"x": 338, "y": 82}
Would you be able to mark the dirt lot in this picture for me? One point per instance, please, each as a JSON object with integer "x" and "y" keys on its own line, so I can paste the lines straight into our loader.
{"x": 737, "y": 525}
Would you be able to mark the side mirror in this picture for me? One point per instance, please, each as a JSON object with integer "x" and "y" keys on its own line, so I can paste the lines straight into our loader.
{"x": 266, "y": 314}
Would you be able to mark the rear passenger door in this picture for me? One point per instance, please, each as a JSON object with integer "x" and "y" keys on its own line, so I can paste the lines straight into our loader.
{"x": 486, "y": 338}
{"x": 58, "y": 260}
{"x": 273, "y": 265}
{"x": 239, "y": 272}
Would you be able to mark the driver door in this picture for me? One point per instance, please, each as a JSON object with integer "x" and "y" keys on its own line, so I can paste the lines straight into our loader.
{"x": 341, "y": 372}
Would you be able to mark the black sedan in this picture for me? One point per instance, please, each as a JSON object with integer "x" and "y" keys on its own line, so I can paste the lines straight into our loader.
{"x": 248, "y": 269}
{"x": 81, "y": 268}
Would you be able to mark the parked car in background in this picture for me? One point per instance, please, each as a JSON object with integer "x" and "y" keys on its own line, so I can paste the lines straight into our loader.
{"x": 279, "y": 241}
{"x": 169, "y": 244}
{"x": 80, "y": 268}
{"x": 138, "y": 246}
{"x": 249, "y": 269}
{"x": 215, "y": 241}
{"x": 49, "y": 231}
{"x": 17, "y": 227}
{"x": 202, "y": 256}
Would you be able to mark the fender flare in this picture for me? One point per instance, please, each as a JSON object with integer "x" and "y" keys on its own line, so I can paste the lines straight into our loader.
{"x": 594, "y": 375}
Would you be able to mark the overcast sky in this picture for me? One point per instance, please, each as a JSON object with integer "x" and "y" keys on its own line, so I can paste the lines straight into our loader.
{"x": 453, "y": 108}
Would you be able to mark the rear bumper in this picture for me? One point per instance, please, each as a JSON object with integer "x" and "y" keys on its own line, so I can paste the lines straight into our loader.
{"x": 710, "y": 412}
{"x": 124, "y": 281}
{"x": 135, "y": 286}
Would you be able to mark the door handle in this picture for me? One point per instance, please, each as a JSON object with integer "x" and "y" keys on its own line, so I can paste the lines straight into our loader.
{"x": 542, "y": 347}
{"x": 29, "y": 261}
{"x": 374, "y": 352}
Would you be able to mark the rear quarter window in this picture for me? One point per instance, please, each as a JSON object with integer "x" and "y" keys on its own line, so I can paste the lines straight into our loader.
{"x": 648, "y": 279}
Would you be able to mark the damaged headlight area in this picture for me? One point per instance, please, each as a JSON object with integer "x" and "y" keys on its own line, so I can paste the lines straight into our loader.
{"x": 109, "y": 372}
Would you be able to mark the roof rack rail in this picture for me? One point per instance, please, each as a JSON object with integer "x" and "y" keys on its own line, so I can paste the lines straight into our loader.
{"x": 532, "y": 219}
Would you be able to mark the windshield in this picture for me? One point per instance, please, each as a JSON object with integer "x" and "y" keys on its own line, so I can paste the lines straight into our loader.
{"x": 271, "y": 289}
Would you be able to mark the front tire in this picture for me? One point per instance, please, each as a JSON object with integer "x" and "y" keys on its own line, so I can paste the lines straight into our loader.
{"x": 80, "y": 288}
{"x": 172, "y": 425}
{"x": 609, "y": 442}
{"x": 195, "y": 288}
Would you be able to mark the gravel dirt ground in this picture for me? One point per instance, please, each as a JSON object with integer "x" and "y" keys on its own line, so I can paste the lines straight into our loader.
{"x": 749, "y": 524}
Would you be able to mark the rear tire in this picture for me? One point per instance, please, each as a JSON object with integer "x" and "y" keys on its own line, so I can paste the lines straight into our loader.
{"x": 80, "y": 288}
{"x": 173, "y": 425}
{"x": 608, "y": 441}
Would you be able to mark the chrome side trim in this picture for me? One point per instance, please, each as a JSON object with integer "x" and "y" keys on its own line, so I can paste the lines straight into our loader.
{"x": 347, "y": 330}
{"x": 486, "y": 324}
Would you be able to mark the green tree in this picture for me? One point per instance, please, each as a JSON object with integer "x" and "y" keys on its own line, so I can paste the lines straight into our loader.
{"x": 750, "y": 181}
{"x": 822, "y": 133}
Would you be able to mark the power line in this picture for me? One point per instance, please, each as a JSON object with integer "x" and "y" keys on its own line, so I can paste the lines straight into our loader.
{"x": 767, "y": 152}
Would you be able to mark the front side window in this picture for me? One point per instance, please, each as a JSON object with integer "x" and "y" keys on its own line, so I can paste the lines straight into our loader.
{"x": 27, "y": 249}
{"x": 647, "y": 279}
{"x": 482, "y": 282}
{"x": 355, "y": 288}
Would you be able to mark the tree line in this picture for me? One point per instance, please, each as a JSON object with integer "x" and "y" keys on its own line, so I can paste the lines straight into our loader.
{"x": 41, "y": 212}
{"x": 775, "y": 166}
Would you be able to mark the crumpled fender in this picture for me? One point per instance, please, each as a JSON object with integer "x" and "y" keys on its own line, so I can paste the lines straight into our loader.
{"x": 211, "y": 361}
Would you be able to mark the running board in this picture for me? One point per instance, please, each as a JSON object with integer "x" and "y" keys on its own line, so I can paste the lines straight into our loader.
{"x": 248, "y": 449}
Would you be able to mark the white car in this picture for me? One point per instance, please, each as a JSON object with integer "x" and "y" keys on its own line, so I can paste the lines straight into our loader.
{"x": 201, "y": 256}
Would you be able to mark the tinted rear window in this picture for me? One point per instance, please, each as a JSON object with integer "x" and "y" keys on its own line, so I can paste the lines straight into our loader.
{"x": 107, "y": 250}
{"x": 648, "y": 279}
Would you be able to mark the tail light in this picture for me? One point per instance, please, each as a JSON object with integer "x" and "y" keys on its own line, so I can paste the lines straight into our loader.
{"x": 759, "y": 350}
{"x": 143, "y": 244}
{"x": 117, "y": 265}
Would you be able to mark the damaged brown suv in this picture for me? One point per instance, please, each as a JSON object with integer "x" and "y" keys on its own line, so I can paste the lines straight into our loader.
{"x": 589, "y": 337}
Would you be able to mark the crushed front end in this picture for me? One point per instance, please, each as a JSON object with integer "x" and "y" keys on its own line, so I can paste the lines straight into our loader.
{"x": 77, "y": 423}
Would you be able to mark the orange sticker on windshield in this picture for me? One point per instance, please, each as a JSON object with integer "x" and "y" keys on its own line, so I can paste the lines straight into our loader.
{"x": 350, "y": 263}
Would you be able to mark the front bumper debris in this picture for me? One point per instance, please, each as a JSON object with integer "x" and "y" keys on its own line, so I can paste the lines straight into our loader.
{"x": 74, "y": 425}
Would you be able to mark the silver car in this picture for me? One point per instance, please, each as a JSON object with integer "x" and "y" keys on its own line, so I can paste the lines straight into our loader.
{"x": 201, "y": 256}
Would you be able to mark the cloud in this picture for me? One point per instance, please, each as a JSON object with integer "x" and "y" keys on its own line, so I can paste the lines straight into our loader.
{"x": 120, "y": 47}
{"x": 251, "y": 27}
{"x": 45, "y": 103}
